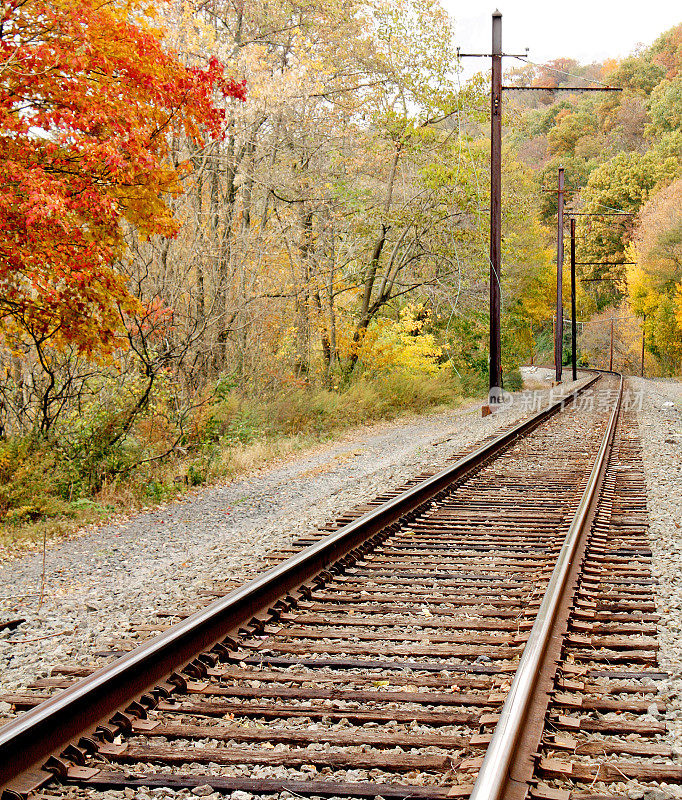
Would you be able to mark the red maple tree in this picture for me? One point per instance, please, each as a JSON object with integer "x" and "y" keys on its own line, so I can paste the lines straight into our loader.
{"x": 88, "y": 103}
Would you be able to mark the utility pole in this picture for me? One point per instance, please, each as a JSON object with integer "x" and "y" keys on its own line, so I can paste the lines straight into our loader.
{"x": 559, "y": 330}
{"x": 496, "y": 89}
{"x": 611, "y": 349}
{"x": 643, "y": 336}
{"x": 495, "y": 369}
{"x": 574, "y": 326}
{"x": 574, "y": 263}
{"x": 498, "y": 755}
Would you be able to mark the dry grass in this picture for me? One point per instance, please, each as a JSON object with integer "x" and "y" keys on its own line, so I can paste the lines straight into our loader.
{"x": 273, "y": 431}
{"x": 18, "y": 540}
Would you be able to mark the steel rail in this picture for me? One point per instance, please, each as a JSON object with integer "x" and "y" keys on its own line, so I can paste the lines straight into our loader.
{"x": 494, "y": 774}
{"x": 27, "y": 741}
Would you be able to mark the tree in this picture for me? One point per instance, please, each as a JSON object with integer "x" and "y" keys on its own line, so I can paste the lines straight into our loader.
{"x": 623, "y": 183}
{"x": 568, "y": 130}
{"x": 666, "y": 52}
{"x": 90, "y": 102}
{"x": 655, "y": 280}
{"x": 665, "y": 108}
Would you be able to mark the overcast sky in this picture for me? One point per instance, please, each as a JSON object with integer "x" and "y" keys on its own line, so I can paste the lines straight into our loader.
{"x": 587, "y": 30}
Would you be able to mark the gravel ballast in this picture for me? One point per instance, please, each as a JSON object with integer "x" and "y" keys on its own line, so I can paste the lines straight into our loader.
{"x": 104, "y": 582}
{"x": 660, "y": 424}
{"x": 118, "y": 576}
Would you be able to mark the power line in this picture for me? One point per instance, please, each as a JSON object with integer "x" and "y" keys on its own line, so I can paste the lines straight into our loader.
{"x": 561, "y": 71}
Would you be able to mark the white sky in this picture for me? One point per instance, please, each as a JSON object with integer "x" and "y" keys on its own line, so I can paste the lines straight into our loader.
{"x": 587, "y": 30}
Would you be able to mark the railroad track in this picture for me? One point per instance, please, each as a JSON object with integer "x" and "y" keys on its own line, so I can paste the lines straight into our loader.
{"x": 488, "y": 632}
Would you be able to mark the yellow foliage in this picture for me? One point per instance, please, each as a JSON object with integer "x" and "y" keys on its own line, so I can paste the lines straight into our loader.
{"x": 654, "y": 280}
{"x": 400, "y": 345}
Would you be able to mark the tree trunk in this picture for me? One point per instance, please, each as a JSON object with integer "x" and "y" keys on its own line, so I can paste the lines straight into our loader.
{"x": 305, "y": 247}
{"x": 366, "y": 313}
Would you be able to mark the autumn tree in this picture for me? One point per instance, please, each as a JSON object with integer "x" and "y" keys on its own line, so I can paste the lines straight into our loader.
{"x": 89, "y": 100}
{"x": 622, "y": 184}
{"x": 300, "y": 223}
{"x": 655, "y": 279}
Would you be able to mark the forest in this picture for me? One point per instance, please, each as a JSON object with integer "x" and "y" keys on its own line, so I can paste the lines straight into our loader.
{"x": 231, "y": 229}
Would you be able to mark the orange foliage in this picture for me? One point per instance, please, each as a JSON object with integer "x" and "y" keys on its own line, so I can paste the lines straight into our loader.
{"x": 88, "y": 101}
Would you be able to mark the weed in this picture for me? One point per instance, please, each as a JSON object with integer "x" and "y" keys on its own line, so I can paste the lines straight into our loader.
{"x": 513, "y": 381}
{"x": 52, "y": 487}
{"x": 194, "y": 476}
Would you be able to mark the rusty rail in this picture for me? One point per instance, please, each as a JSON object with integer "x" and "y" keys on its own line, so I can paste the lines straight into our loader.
{"x": 151, "y": 671}
{"x": 497, "y": 778}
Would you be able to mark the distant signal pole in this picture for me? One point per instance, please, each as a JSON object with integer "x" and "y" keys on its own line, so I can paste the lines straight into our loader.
{"x": 559, "y": 329}
{"x": 572, "y": 216}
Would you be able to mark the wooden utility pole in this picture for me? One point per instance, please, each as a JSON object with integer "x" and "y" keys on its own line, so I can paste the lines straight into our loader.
{"x": 611, "y": 349}
{"x": 574, "y": 326}
{"x": 574, "y": 263}
{"x": 495, "y": 369}
{"x": 559, "y": 329}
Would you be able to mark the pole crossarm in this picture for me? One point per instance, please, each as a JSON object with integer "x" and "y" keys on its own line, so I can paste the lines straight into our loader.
{"x": 490, "y": 55}
{"x": 596, "y": 280}
{"x": 562, "y": 89}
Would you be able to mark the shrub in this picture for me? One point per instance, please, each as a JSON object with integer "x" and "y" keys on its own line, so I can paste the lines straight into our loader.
{"x": 194, "y": 475}
{"x": 36, "y": 482}
{"x": 81, "y": 467}
{"x": 513, "y": 381}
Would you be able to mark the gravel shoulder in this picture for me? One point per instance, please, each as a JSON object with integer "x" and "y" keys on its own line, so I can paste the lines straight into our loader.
{"x": 660, "y": 424}
{"x": 117, "y": 576}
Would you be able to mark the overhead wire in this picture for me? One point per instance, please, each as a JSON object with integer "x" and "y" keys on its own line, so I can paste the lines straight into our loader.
{"x": 526, "y": 60}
